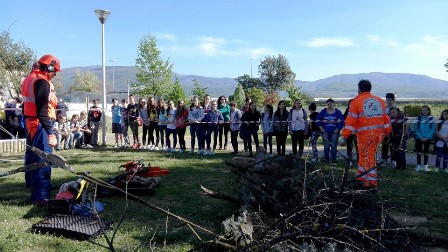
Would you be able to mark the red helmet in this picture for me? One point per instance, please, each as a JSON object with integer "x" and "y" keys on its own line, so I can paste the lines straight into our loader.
{"x": 52, "y": 63}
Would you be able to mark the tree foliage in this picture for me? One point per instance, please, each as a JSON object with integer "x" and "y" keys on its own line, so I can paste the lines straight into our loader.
{"x": 239, "y": 95}
{"x": 275, "y": 73}
{"x": 59, "y": 86}
{"x": 257, "y": 95}
{"x": 248, "y": 82}
{"x": 153, "y": 73}
{"x": 16, "y": 60}
{"x": 86, "y": 82}
{"x": 178, "y": 92}
{"x": 198, "y": 90}
{"x": 294, "y": 93}
{"x": 271, "y": 98}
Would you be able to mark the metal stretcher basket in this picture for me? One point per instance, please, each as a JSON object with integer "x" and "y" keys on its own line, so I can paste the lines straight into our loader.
{"x": 72, "y": 226}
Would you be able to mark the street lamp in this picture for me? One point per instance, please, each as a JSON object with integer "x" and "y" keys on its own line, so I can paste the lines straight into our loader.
{"x": 102, "y": 16}
{"x": 251, "y": 68}
{"x": 113, "y": 74}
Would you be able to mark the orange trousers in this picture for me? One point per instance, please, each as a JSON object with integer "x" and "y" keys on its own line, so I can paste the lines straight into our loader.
{"x": 368, "y": 143}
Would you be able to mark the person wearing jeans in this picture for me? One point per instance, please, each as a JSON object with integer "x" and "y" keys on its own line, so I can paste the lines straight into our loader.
{"x": 195, "y": 117}
{"x": 330, "y": 121}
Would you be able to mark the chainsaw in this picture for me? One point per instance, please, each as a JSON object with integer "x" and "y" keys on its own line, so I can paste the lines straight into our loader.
{"x": 138, "y": 168}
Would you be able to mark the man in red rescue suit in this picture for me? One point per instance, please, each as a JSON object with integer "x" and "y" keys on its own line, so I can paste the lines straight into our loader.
{"x": 39, "y": 102}
{"x": 367, "y": 118}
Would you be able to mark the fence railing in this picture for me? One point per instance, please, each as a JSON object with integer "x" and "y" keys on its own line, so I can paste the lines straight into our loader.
{"x": 12, "y": 145}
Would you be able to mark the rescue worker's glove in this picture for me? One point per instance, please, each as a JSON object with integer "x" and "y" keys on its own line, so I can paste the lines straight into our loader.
{"x": 52, "y": 141}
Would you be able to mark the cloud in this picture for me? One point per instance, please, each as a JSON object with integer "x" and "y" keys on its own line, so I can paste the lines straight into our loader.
{"x": 428, "y": 46}
{"x": 166, "y": 36}
{"x": 330, "y": 42}
{"x": 257, "y": 52}
{"x": 379, "y": 41}
{"x": 215, "y": 47}
{"x": 208, "y": 39}
{"x": 212, "y": 46}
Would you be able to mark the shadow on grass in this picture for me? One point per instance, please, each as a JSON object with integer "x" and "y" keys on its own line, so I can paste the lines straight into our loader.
{"x": 179, "y": 193}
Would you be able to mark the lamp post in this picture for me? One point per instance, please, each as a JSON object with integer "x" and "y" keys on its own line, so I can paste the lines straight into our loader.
{"x": 251, "y": 68}
{"x": 102, "y": 16}
{"x": 113, "y": 74}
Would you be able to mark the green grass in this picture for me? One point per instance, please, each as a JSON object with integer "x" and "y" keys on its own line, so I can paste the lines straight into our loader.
{"x": 417, "y": 194}
{"x": 406, "y": 192}
{"x": 179, "y": 192}
{"x": 412, "y": 194}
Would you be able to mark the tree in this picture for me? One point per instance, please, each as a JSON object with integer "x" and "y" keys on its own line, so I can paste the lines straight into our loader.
{"x": 271, "y": 98}
{"x": 446, "y": 65}
{"x": 178, "y": 92}
{"x": 238, "y": 95}
{"x": 256, "y": 95}
{"x": 198, "y": 90}
{"x": 275, "y": 73}
{"x": 294, "y": 93}
{"x": 153, "y": 73}
{"x": 86, "y": 82}
{"x": 248, "y": 82}
{"x": 59, "y": 86}
{"x": 16, "y": 60}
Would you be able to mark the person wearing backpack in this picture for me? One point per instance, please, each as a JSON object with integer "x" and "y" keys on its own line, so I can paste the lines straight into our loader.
{"x": 424, "y": 130}
{"x": 298, "y": 126}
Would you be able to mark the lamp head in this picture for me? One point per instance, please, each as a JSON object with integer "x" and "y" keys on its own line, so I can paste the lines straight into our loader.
{"x": 102, "y": 15}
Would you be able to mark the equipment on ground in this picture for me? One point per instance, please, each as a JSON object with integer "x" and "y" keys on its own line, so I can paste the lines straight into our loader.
{"x": 137, "y": 179}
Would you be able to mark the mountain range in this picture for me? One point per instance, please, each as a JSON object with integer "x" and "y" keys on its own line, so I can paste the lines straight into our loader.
{"x": 404, "y": 85}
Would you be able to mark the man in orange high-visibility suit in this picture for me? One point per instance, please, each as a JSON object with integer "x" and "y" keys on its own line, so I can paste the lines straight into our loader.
{"x": 367, "y": 118}
{"x": 39, "y": 103}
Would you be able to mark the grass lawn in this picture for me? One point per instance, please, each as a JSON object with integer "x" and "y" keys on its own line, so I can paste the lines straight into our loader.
{"x": 179, "y": 193}
{"x": 405, "y": 192}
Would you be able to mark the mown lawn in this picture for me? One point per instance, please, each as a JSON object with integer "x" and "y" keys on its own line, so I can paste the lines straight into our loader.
{"x": 179, "y": 193}
{"x": 403, "y": 192}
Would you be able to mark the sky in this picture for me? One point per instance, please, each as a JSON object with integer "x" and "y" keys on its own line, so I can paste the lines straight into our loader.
{"x": 320, "y": 38}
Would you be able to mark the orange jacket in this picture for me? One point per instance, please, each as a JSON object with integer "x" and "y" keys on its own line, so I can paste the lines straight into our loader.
{"x": 29, "y": 99}
{"x": 367, "y": 114}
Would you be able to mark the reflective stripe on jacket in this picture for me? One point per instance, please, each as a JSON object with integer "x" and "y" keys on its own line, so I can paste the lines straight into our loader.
{"x": 29, "y": 99}
{"x": 367, "y": 113}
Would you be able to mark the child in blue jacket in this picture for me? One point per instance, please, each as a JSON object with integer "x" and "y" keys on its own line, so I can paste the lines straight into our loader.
{"x": 424, "y": 130}
{"x": 330, "y": 121}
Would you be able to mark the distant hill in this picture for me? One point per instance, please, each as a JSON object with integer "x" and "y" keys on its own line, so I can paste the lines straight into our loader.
{"x": 344, "y": 85}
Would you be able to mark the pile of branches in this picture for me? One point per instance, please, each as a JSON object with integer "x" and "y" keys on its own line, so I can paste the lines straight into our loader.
{"x": 289, "y": 204}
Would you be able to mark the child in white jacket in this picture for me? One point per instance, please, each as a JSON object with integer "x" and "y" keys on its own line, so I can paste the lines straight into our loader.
{"x": 235, "y": 123}
{"x": 267, "y": 128}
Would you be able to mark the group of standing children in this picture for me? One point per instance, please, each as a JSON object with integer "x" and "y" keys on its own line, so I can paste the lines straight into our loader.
{"x": 214, "y": 120}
